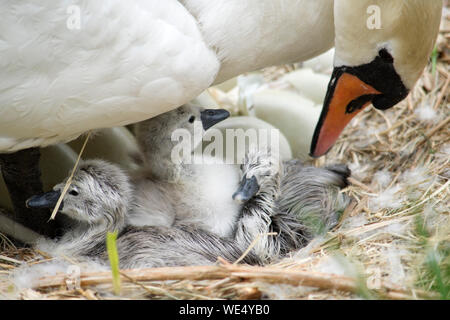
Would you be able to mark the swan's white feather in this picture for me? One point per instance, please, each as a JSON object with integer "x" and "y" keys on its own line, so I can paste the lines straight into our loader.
{"x": 128, "y": 61}
{"x": 252, "y": 34}
{"x": 132, "y": 60}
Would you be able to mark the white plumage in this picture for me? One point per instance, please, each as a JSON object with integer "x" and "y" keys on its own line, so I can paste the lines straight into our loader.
{"x": 253, "y": 34}
{"x": 133, "y": 60}
{"x": 128, "y": 61}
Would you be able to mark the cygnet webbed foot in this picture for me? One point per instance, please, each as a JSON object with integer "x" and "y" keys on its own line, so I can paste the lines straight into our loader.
{"x": 247, "y": 189}
{"x": 260, "y": 175}
{"x": 258, "y": 190}
{"x": 296, "y": 202}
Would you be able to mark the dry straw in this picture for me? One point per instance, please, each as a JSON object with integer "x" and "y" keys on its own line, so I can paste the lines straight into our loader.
{"x": 69, "y": 180}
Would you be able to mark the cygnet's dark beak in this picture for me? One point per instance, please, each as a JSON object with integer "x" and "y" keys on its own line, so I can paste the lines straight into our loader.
{"x": 46, "y": 200}
{"x": 210, "y": 117}
{"x": 247, "y": 189}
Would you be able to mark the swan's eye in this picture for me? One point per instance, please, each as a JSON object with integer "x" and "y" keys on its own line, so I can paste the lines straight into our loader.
{"x": 192, "y": 119}
{"x": 73, "y": 192}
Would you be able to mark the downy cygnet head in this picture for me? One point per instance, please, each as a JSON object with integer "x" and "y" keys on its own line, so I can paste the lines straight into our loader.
{"x": 99, "y": 193}
{"x": 158, "y": 136}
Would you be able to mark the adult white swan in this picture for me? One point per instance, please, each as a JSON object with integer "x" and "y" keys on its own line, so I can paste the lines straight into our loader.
{"x": 70, "y": 66}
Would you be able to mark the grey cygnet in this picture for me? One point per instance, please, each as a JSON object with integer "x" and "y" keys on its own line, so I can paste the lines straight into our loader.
{"x": 294, "y": 201}
{"x": 170, "y": 192}
{"x": 98, "y": 201}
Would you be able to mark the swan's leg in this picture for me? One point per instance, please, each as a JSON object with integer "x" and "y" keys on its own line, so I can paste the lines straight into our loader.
{"x": 22, "y": 177}
{"x": 312, "y": 195}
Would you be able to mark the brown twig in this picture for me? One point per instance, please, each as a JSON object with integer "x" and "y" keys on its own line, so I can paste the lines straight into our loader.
{"x": 243, "y": 273}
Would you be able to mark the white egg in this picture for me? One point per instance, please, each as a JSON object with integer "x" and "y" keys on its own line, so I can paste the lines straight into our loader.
{"x": 294, "y": 115}
{"x": 262, "y": 131}
{"x": 309, "y": 84}
{"x": 322, "y": 63}
{"x": 114, "y": 145}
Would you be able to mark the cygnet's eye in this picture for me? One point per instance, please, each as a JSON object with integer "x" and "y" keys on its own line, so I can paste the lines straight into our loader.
{"x": 266, "y": 173}
{"x": 192, "y": 119}
{"x": 73, "y": 192}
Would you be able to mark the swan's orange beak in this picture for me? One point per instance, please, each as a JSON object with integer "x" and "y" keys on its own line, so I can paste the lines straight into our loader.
{"x": 347, "y": 95}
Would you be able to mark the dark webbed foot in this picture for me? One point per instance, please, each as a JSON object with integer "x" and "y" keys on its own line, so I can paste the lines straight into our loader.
{"x": 258, "y": 191}
{"x": 247, "y": 189}
{"x": 21, "y": 173}
{"x": 260, "y": 175}
{"x": 296, "y": 202}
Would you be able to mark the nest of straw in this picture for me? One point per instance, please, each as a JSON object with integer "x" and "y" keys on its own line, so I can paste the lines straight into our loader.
{"x": 392, "y": 241}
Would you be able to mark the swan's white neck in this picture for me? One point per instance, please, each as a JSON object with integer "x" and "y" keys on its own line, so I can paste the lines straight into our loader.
{"x": 252, "y": 34}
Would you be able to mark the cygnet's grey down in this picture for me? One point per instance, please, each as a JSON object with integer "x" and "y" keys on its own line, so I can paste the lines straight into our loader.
{"x": 183, "y": 214}
{"x": 168, "y": 192}
{"x": 98, "y": 200}
{"x": 202, "y": 194}
{"x": 293, "y": 201}
{"x": 100, "y": 196}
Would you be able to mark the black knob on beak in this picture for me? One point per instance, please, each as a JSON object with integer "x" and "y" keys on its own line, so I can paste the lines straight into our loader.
{"x": 210, "y": 117}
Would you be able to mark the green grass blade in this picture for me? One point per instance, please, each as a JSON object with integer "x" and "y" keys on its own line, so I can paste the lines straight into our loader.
{"x": 434, "y": 57}
{"x": 435, "y": 270}
{"x": 113, "y": 256}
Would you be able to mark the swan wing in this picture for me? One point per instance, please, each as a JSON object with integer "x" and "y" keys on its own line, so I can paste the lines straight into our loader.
{"x": 72, "y": 66}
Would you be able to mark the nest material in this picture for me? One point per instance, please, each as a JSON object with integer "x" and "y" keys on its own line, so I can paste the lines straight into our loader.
{"x": 393, "y": 242}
